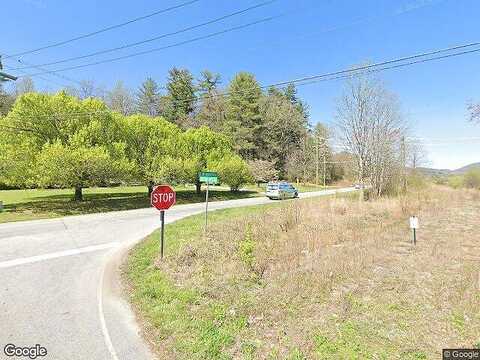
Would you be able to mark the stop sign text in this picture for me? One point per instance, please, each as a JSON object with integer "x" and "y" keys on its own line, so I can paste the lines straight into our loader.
{"x": 163, "y": 197}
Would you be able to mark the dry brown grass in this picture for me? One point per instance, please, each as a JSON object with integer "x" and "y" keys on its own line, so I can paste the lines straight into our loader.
{"x": 341, "y": 278}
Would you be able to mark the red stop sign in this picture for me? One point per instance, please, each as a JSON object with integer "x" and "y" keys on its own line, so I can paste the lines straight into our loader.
{"x": 163, "y": 197}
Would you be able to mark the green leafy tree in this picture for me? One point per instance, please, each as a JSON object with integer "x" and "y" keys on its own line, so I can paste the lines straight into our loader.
{"x": 151, "y": 145}
{"x": 197, "y": 147}
{"x": 243, "y": 122}
{"x": 148, "y": 98}
{"x": 76, "y": 166}
{"x": 232, "y": 169}
{"x": 16, "y": 158}
{"x": 43, "y": 127}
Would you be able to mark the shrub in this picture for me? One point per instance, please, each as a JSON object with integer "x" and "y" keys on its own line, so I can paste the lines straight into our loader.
{"x": 246, "y": 248}
{"x": 472, "y": 179}
{"x": 232, "y": 170}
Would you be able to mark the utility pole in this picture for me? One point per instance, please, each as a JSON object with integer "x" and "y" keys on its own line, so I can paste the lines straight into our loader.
{"x": 316, "y": 160}
{"x": 4, "y": 76}
{"x": 404, "y": 161}
{"x": 324, "y": 169}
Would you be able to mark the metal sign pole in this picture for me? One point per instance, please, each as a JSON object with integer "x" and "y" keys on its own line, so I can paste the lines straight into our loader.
{"x": 162, "y": 231}
{"x": 206, "y": 207}
{"x": 414, "y": 236}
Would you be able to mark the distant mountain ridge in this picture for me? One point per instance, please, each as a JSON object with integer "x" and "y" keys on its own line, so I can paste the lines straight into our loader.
{"x": 445, "y": 172}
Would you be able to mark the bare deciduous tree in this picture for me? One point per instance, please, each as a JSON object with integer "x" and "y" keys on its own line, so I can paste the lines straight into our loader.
{"x": 371, "y": 128}
{"x": 263, "y": 171}
{"x": 416, "y": 154}
{"x": 23, "y": 86}
{"x": 120, "y": 99}
{"x": 87, "y": 89}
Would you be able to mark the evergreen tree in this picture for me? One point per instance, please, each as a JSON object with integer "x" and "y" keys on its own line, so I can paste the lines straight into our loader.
{"x": 180, "y": 100}
{"x": 285, "y": 127}
{"x": 243, "y": 122}
{"x": 290, "y": 93}
{"x": 208, "y": 82}
{"x": 148, "y": 98}
{"x": 212, "y": 108}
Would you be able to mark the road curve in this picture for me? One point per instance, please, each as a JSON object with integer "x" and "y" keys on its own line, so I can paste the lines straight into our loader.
{"x": 59, "y": 281}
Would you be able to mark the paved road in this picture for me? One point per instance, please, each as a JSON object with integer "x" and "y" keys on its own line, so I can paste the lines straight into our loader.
{"x": 59, "y": 281}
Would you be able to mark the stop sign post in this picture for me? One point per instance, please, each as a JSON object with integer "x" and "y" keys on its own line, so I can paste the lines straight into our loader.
{"x": 163, "y": 197}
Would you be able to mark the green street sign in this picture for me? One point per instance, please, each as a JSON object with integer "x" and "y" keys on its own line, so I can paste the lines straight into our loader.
{"x": 208, "y": 177}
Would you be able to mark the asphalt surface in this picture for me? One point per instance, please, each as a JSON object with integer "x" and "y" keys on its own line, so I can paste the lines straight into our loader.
{"x": 59, "y": 283}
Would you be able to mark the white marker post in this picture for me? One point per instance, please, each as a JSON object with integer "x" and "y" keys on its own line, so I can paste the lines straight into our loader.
{"x": 414, "y": 227}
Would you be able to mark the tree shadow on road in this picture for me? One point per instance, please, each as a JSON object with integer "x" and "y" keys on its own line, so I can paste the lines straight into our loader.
{"x": 63, "y": 204}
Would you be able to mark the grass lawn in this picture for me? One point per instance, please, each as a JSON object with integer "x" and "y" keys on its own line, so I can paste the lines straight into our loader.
{"x": 318, "y": 278}
{"x": 48, "y": 203}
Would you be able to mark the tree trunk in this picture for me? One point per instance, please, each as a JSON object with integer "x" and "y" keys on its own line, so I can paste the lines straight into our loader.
{"x": 198, "y": 187}
{"x": 78, "y": 193}
{"x": 150, "y": 188}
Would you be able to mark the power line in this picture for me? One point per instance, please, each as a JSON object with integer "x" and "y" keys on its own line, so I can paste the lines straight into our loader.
{"x": 60, "y": 43}
{"x": 46, "y": 71}
{"x": 352, "y": 72}
{"x": 39, "y": 68}
{"x": 42, "y": 78}
{"x": 218, "y": 19}
{"x": 370, "y": 66}
{"x": 211, "y": 35}
{"x": 362, "y": 70}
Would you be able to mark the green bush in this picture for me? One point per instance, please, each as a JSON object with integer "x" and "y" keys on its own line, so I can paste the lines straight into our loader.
{"x": 246, "y": 248}
{"x": 471, "y": 179}
{"x": 455, "y": 182}
{"x": 232, "y": 170}
{"x": 416, "y": 181}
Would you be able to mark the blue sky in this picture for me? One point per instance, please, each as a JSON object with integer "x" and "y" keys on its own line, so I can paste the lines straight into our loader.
{"x": 311, "y": 37}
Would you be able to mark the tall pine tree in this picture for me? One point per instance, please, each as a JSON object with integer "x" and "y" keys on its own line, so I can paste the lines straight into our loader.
{"x": 243, "y": 122}
{"x": 148, "y": 98}
{"x": 180, "y": 100}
